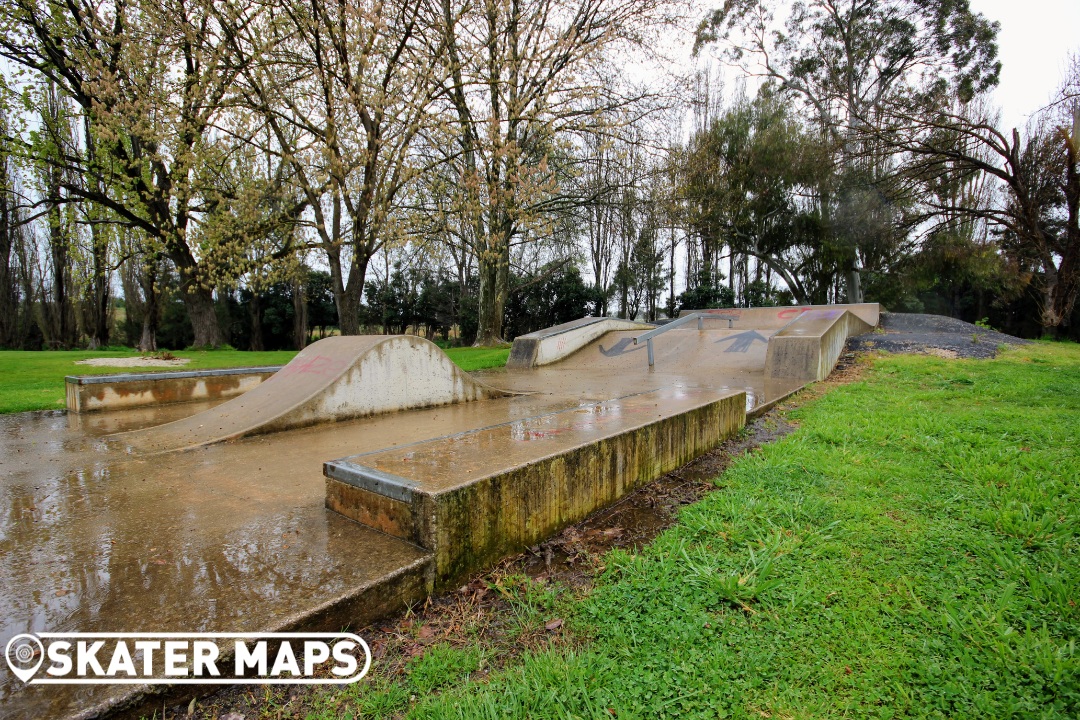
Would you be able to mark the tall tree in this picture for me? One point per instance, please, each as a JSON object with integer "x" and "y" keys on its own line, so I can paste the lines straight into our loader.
{"x": 1039, "y": 173}
{"x": 522, "y": 78}
{"x": 344, "y": 88}
{"x": 850, "y": 62}
{"x": 154, "y": 79}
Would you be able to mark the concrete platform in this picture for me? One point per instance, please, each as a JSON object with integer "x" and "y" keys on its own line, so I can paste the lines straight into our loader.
{"x": 95, "y": 393}
{"x": 105, "y": 532}
{"x": 231, "y": 537}
{"x": 475, "y": 497}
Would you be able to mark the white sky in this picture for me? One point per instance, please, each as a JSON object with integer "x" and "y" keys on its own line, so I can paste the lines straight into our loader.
{"x": 1034, "y": 42}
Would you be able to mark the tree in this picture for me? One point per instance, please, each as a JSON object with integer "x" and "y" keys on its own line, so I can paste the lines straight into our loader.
{"x": 748, "y": 183}
{"x": 524, "y": 77}
{"x": 344, "y": 89}
{"x": 1039, "y": 171}
{"x": 153, "y": 80}
{"x": 851, "y": 62}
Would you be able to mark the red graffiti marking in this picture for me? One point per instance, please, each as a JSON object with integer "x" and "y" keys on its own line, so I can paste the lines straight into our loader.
{"x": 318, "y": 365}
{"x": 791, "y": 312}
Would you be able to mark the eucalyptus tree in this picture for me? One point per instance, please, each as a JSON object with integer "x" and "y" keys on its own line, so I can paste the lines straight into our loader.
{"x": 746, "y": 186}
{"x": 850, "y": 63}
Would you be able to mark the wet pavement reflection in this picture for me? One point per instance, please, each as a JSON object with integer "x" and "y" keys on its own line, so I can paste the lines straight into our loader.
{"x": 235, "y": 537}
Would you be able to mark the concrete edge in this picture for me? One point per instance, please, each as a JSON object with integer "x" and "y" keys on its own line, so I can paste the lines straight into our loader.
{"x": 409, "y": 583}
{"x": 169, "y": 375}
{"x": 392, "y": 486}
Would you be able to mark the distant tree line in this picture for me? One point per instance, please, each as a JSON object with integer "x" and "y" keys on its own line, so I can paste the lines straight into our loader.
{"x": 261, "y": 175}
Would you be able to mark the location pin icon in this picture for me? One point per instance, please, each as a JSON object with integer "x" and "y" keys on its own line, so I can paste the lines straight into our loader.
{"x": 21, "y": 652}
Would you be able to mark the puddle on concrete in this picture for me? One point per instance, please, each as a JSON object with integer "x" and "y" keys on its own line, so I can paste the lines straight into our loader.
{"x": 234, "y": 537}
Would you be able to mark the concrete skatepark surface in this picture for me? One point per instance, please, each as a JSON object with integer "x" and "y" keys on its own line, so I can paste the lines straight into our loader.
{"x": 106, "y": 528}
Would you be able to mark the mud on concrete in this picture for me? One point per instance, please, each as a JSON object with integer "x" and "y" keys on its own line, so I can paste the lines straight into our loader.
{"x": 482, "y": 611}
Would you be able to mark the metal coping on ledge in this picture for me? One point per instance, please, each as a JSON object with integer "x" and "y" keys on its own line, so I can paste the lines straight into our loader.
{"x": 175, "y": 375}
{"x": 569, "y": 327}
{"x": 394, "y": 487}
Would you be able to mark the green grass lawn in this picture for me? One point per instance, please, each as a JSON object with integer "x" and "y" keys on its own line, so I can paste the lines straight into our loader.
{"x": 35, "y": 380}
{"x": 912, "y": 550}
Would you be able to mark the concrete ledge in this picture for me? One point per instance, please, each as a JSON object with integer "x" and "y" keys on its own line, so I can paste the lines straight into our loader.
{"x": 352, "y": 610}
{"x": 807, "y": 348}
{"x": 470, "y": 513}
{"x": 552, "y": 344}
{"x": 764, "y": 317}
{"x": 92, "y": 393}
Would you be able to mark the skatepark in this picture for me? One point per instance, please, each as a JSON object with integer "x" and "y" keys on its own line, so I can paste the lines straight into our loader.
{"x": 366, "y": 474}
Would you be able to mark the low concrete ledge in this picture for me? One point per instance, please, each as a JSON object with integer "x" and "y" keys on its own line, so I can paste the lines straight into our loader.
{"x": 552, "y": 344}
{"x": 807, "y": 348}
{"x": 473, "y": 498}
{"x": 763, "y": 317}
{"x": 92, "y": 393}
{"x": 351, "y": 610}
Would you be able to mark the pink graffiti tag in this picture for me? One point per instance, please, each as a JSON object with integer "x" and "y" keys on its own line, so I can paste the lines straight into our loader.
{"x": 318, "y": 365}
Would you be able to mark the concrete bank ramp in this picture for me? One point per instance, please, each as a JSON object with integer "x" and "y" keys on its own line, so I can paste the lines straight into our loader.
{"x": 338, "y": 378}
{"x": 553, "y": 344}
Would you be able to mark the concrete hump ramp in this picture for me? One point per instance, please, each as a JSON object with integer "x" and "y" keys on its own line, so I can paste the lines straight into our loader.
{"x": 337, "y": 378}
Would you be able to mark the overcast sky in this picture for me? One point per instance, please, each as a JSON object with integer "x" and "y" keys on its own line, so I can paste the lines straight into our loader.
{"x": 1035, "y": 39}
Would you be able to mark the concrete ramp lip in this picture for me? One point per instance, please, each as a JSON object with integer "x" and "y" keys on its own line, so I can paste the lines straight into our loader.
{"x": 334, "y": 379}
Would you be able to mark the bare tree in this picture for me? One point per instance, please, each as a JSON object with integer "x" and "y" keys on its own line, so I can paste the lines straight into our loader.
{"x": 344, "y": 88}
{"x": 1039, "y": 174}
{"x": 524, "y": 77}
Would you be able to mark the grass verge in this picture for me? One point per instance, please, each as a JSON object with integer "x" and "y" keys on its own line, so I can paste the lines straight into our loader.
{"x": 35, "y": 380}
{"x": 911, "y": 550}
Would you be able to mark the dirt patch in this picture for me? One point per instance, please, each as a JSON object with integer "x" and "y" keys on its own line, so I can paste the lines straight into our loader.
{"x": 481, "y": 611}
{"x": 134, "y": 362}
{"x": 936, "y": 335}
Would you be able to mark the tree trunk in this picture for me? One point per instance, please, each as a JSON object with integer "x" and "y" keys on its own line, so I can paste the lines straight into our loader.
{"x": 255, "y": 310}
{"x": 148, "y": 281}
{"x": 97, "y": 297}
{"x": 853, "y": 286}
{"x": 494, "y": 289}
{"x": 9, "y": 310}
{"x": 199, "y": 303}
{"x": 300, "y": 315}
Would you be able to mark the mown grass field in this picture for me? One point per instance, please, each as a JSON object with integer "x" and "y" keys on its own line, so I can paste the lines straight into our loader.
{"x": 35, "y": 380}
{"x": 912, "y": 550}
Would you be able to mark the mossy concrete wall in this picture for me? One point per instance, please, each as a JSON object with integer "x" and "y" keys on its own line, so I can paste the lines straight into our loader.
{"x": 472, "y": 526}
{"x": 93, "y": 393}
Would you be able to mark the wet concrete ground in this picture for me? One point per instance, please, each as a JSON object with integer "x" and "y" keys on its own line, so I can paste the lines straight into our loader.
{"x": 234, "y": 537}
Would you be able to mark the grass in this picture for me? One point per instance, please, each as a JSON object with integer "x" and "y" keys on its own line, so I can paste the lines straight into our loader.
{"x": 35, "y": 380}
{"x": 912, "y": 550}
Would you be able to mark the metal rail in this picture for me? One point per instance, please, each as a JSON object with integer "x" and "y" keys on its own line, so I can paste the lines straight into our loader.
{"x": 684, "y": 320}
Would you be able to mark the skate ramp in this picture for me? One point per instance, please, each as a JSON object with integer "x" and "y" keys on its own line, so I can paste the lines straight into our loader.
{"x": 777, "y": 317}
{"x": 337, "y": 378}
{"x": 806, "y": 350}
{"x": 552, "y": 344}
